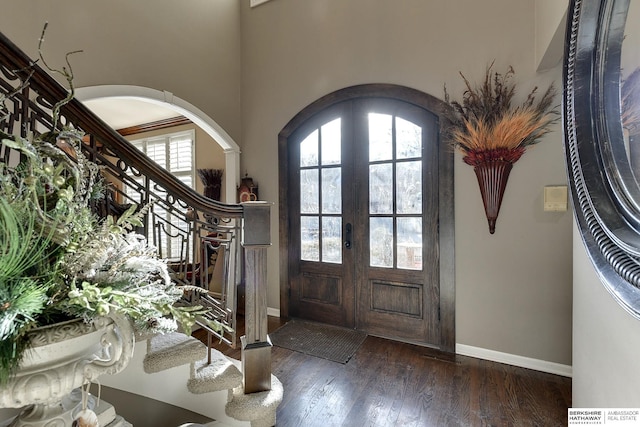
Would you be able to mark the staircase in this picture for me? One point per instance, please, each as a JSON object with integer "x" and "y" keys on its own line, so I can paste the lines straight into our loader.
{"x": 184, "y": 372}
{"x": 175, "y": 368}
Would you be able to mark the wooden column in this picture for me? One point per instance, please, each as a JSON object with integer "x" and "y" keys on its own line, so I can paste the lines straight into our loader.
{"x": 256, "y": 346}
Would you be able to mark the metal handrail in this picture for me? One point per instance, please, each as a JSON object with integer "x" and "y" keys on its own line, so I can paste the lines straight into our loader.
{"x": 178, "y": 213}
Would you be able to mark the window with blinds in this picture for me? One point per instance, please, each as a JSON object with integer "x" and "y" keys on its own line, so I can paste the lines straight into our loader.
{"x": 175, "y": 153}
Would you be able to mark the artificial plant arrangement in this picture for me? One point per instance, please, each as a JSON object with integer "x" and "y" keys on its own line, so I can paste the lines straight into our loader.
{"x": 60, "y": 261}
{"x": 492, "y": 132}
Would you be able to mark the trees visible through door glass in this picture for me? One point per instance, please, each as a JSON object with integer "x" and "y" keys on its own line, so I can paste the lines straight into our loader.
{"x": 410, "y": 243}
{"x": 309, "y": 150}
{"x": 409, "y": 187}
{"x": 309, "y": 191}
{"x": 408, "y": 139}
{"x": 381, "y": 189}
{"x": 332, "y": 239}
{"x": 331, "y": 135}
{"x": 332, "y": 190}
{"x": 380, "y": 140}
{"x": 310, "y": 245}
{"x": 395, "y": 192}
{"x": 381, "y": 242}
{"x": 321, "y": 194}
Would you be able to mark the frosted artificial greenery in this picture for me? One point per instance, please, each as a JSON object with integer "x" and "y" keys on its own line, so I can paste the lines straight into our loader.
{"x": 59, "y": 261}
{"x": 24, "y": 278}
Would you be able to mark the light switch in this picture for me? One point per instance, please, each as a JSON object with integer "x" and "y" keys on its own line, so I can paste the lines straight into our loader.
{"x": 555, "y": 198}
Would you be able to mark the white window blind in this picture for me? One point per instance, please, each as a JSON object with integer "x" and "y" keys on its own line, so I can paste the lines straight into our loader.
{"x": 175, "y": 153}
{"x": 180, "y": 154}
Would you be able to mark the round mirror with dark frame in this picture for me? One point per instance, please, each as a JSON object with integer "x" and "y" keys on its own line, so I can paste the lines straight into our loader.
{"x": 601, "y": 134}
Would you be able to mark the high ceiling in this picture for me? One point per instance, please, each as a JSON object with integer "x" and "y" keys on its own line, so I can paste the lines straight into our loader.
{"x": 122, "y": 113}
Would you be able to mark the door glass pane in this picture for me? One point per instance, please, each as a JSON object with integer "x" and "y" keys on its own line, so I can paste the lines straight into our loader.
{"x": 332, "y": 190}
{"x": 309, "y": 150}
{"x": 409, "y": 187}
{"x": 410, "y": 243}
{"x": 331, "y": 138}
{"x": 408, "y": 139}
{"x": 332, "y": 239}
{"x": 381, "y": 189}
{"x": 381, "y": 242}
{"x": 309, "y": 191}
{"x": 309, "y": 239}
{"x": 380, "y": 140}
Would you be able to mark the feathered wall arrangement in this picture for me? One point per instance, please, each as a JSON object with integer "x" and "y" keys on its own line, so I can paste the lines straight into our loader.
{"x": 492, "y": 133}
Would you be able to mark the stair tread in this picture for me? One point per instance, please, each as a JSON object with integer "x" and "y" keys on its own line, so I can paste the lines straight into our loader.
{"x": 166, "y": 351}
{"x": 255, "y": 407}
{"x": 220, "y": 374}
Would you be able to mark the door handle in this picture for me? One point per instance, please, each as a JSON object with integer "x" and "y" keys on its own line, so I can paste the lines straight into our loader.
{"x": 347, "y": 236}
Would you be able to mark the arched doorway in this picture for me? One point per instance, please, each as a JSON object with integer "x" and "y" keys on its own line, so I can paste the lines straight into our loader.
{"x": 366, "y": 215}
{"x": 181, "y": 107}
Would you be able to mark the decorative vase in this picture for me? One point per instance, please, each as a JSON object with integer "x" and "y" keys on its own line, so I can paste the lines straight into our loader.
{"x": 247, "y": 191}
{"x": 492, "y": 179}
{"x": 212, "y": 180}
{"x": 62, "y": 358}
{"x": 212, "y": 191}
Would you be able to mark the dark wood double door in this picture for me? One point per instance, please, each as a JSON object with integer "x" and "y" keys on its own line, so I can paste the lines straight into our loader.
{"x": 362, "y": 179}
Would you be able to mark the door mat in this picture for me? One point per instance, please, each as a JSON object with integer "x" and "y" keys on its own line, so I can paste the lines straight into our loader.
{"x": 319, "y": 340}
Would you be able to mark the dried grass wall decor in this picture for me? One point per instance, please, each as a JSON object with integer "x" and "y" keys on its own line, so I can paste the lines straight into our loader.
{"x": 492, "y": 133}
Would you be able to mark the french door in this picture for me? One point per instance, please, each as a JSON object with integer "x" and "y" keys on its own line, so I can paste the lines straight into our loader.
{"x": 362, "y": 211}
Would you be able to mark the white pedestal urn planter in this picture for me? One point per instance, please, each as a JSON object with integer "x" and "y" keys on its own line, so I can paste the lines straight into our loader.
{"x": 64, "y": 357}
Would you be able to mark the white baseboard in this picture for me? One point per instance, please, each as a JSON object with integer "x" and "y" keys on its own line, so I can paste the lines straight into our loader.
{"x": 515, "y": 360}
{"x": 275, "y": 312}
{"x": 496, "y": 356}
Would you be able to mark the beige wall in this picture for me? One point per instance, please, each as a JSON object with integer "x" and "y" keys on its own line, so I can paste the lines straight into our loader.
{"x": 189, "y": 48}
{"x": 550, "y": 25}
{"x": 513, "y": 289}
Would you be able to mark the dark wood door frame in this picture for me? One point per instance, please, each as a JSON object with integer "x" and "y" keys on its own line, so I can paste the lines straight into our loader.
{"x": 445, "y": 194}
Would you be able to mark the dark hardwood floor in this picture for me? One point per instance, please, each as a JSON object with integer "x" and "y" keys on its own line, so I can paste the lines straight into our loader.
{"x": 389, "y": 383}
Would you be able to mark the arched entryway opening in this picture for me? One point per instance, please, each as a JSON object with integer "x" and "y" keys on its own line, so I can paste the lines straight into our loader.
{"x": 198, "y": 117}
{"x": 367, "y": 215}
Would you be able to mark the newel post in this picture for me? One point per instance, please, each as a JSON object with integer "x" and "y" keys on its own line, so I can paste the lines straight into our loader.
{"x": 256, "y": 346}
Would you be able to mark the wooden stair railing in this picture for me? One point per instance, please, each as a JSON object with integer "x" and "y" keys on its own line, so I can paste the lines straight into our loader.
{"x": 186, "y": 226}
